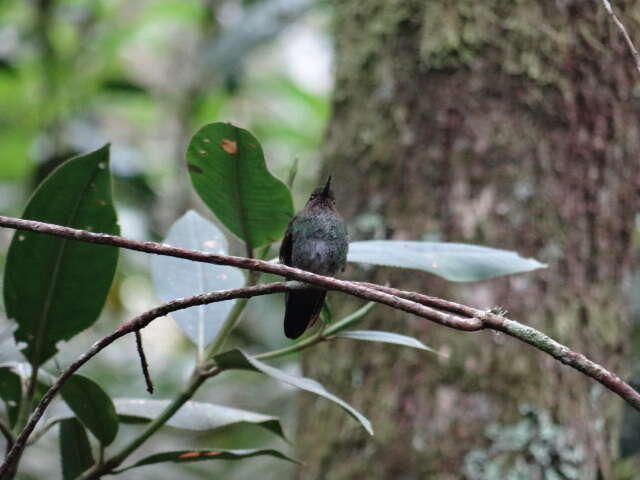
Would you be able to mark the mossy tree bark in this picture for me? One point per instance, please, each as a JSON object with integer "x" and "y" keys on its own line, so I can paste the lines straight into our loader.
{"x": 509, "y": 124}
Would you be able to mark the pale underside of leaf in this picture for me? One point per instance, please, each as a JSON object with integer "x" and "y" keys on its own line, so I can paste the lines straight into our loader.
{"x": 385, "y": 337}
{"x": 237, "y": 359}
{"x": 456, "y": 262}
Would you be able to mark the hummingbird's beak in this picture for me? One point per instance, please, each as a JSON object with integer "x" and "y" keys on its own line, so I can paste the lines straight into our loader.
{"x": 327, "y": 188}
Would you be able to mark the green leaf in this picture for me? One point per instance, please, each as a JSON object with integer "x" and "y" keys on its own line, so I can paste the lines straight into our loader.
{"x": 177, "y": 277}
{"x": 237, "y": 359}
{"x": 184, "y": 456}
{"x": 10, "y": 392}
{"x": 92, "y": 406}
{"x": 385, "y": 337}
{"x": 457, "y": 262}
{"x": 53, "y": 287}
{"x": 75, "y": 449}
{"x": 196, "y": 416}
{"x": 229, "y": 173}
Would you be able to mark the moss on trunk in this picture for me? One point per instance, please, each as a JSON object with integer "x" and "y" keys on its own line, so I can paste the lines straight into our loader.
{"x": 510, "y": 124}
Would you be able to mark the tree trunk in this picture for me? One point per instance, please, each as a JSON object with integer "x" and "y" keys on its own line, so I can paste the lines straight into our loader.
{"x": 507, "y": 124}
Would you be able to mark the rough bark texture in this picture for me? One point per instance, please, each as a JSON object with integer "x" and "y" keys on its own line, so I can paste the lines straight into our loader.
{"x": 512, "y": 124}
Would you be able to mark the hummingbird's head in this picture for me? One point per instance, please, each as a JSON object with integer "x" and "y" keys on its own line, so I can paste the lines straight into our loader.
{"x": 322, "y": 195}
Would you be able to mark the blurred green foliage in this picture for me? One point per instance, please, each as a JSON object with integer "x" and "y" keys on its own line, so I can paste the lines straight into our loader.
{"x": 75, "y": 74}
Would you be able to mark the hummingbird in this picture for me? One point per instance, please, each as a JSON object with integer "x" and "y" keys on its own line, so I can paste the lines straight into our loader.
{"x": 316, "y": 240}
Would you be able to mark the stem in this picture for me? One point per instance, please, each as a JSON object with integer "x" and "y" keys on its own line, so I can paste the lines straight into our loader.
{"x": 143, "y": 362}
{"x": 297, "y": 347}
{"x": 26, "y": 400}
{"x": 234, "y": 316}
{"x": 226, "y": 329}
{"x": 98, "y": 470}
{"x": 141, "y": 321}
{"x": 49, "y": 64}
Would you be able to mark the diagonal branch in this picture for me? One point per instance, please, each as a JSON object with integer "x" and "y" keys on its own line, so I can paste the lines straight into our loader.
{"x": 528, "y": 335}
{"x": 329, "y": 283}
{"x": 444, "y": 312}
{"x": 625, "y": 34}
{"x": 133, "y": 325}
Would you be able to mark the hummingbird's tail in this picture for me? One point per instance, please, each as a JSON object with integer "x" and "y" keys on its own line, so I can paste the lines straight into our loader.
{"x": 303, "y": 309}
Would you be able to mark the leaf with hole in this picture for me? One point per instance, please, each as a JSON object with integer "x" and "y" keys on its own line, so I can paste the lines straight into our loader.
{"x": 457, "y": 262}
{"x": 92, "y": 406}
{"x": 55, "y": 287}
{"x": 75, "y": 449}
{"x": 237, "y": 359}
{"x": 177, "y": 277}
{"x": 229, "y": 172}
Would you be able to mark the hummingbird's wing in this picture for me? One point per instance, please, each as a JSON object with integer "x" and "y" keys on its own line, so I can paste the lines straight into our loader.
{"x": 286, "y": 246}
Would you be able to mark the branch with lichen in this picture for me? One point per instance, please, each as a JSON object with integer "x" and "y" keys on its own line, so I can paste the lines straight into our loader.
{"x": 441, "y": 311}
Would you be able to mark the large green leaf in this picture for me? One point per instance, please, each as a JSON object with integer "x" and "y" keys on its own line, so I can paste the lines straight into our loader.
{"x": 184, "y": 456}
{"x": 196, "y": 416}
{"x": 75, "y": 449}
{"x": 229, "y": 173}
{"x": 385, "y": 337}
{"x": 457, "y": 262}
{"x": 176, "y": 277}
{"x": 237, "y": 359}
{"x": 54, "y": 287}
{"x": 92, "y": 406}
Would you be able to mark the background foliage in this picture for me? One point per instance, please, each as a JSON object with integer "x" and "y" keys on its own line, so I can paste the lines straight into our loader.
{"x": 76, "y": 74}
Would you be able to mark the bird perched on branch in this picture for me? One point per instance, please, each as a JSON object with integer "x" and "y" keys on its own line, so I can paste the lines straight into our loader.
{"x": 316, "y": 240}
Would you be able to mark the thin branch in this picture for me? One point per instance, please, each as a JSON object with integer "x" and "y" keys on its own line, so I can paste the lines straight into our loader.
{"x": 143, "y": 362}
{"x": 329, "y": 283}
{"x": 625, "y": 34}
{"x": 450, "y": 314}
{"x": 528, "y": 335}
{"x": 434, "y": 302}
{"x": 132, "y": 325}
